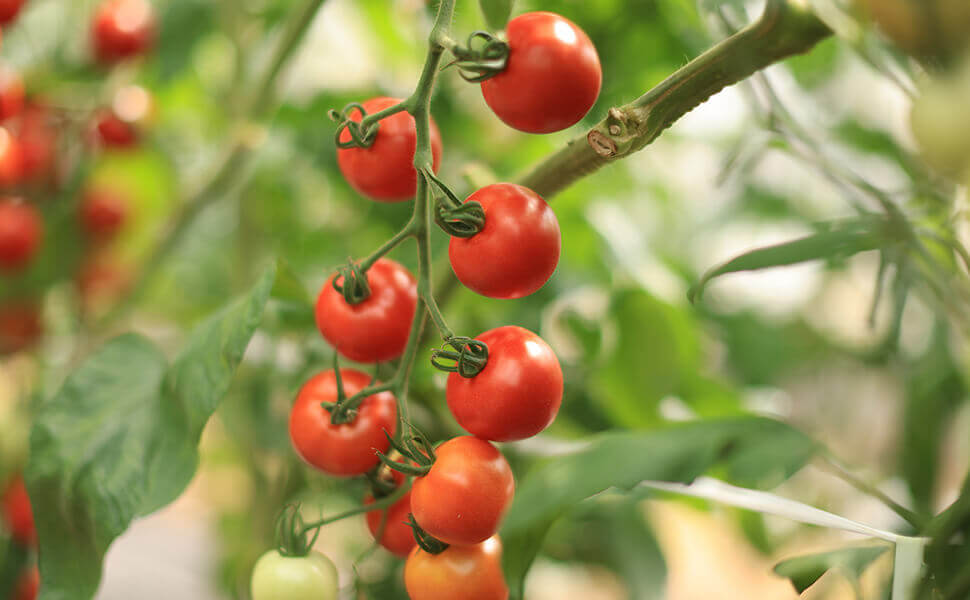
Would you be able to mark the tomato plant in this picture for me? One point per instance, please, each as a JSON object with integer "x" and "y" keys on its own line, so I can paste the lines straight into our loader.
{"x": 552, "y": 78}
{"x": 462, "y": 498}
{"x": 459, "y": 573}
{"x": 376, "y": 328}
{"x": 21, "y": 233}
{"x": 345, "y": 448}
{"x": 278, "y": 577}
{"x": 516, "y": 251}
{"x": 384, "y": 170}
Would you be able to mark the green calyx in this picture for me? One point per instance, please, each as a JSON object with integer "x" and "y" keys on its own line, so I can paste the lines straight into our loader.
{"x": 292, "y": 534}
{"x": 482, "y": 57}
{"x": 468, "y": 357}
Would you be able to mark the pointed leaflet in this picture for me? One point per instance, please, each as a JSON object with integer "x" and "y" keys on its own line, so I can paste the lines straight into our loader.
{"x": 120, "y": 438}
{"x": 623, "y": 460}
{"x": 496, "y": 12}
{"x": 834, "y": 240}
{"x": 804, "y": 571}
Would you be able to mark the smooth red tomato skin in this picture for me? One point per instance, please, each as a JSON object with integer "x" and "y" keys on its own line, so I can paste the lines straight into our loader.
{"x": 377, "y": 329}
{"x": 458, "y": 573}
{"x": 9, "y": 9}
{"x": 552, "y": 78}
{"x": 516, "y": 395}
{"x": 464, "y": 496}
{"x": 29, "y": 585}
{"x": 17, "y": 513}
{"x": 11, "y": 93}
{"x": 385, "y": 171}
{"x": 348, "y": 449}
{"x": 114, "y": 133}
{"x": 122, "y": 29}
{"x": 103, "y": 212}
{"x": 21, "y": 231}
{"x": 516, "y": 251}
{"x": 398, "y": 536}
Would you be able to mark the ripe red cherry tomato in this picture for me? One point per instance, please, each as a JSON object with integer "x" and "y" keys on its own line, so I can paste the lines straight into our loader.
{"x": 347, "y": 449}
{"x": 398, "y": 537}
{"x": 21, "y": 325}
{"x": 21, "y": 231}
{"x": 462, "y": 499}
{"x": 377, "y": 329}
{"x": 113, "y": 132}
{"x": 517, "y": 250}
{"x": 11, "y": 159}
{"x": 458, "y": 573}
{"x": 37, "y": 142}
{"x": 11, "y": 93}
{"x": 29, "y": 585}
{"x": 122, "y": 29}
{"x": 9, "y": 9}
{"x": 385, "y": 171}
{"x": 103, "y": 212}
{"x": 552, "y": 78}
{"x": 516, "y": 395}
{"x": 17, "y": 514}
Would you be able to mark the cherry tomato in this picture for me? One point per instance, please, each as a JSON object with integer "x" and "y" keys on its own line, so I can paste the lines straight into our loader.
{"x": 552, "y": 78}
{"x": 21, "y": 325}
{"x": 11, "y": 93}
{"x": 17, "y": 513}
{"x": 347, "y": 449}
{"x": 398, "y": 537}
{"x": 112, "y": 132}
{"x": 29, "y": 585}
{"x": 11, "y": 159}
{"x": 122, "y": 29}
{"x": 516, "y": 395}
{"x": 458, "y": 573}
{"x": 9, "y": 9}
{"x": 37, "y": 140}
{"x": 103, "y": 212}
{"x": 462, "y": 499}
{"x": 516, "y": 251}
{"x": 376, "y": 329}
{"x": 278, "y": 577}
{"x": 21, "y": 231}
{"x": 385, "y": 171}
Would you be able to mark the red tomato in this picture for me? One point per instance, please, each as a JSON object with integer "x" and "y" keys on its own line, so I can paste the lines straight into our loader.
{"x": 516, "y": 251}
{"x": 37, "y": 141}
{"x": 21, "y": 231}
{"x": 398, "y": 536}
{"x": 17, "y": 513}
{"x": 29, "y": 585}
{"x": 458, "y": 573}
{"x": 11, "y": 92}
{"x": 103, "y": 212}
{"x": 122, "y": 29}
{"x": 516, "y": 395}
{"x": 21, "y": 325}
{"x": 347, "y": 449}
{"x": 11, "y": 160}
{"x": 9, "y": 9}
{"x": 385, "y": 171}
{"x": 552, "y": 78}
{"x": 462, "y": 499}
{"x": 113, "y": 132}
{"x": 377, "y": 329}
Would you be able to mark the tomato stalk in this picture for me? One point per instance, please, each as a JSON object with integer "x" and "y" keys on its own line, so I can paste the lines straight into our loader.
{"x": 378, "y": 504}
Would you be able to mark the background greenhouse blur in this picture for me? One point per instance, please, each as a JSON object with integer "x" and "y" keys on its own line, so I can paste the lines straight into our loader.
{"x": 797, "y": 343}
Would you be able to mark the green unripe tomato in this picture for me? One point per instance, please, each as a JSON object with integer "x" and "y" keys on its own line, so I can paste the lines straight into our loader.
{"x": 278, "y": 577}
{"x": 941, "y": 124}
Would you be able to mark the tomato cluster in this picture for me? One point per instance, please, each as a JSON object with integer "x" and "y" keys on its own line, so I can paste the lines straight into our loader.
{"x": 36, "y": 165}
{"x": 504, "y": 385}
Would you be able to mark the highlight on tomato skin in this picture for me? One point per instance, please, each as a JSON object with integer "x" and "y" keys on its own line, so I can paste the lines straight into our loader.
{"x": 552, "y": 78}
{"x": 122, "y": 29}
{"x": 471, "y": 572}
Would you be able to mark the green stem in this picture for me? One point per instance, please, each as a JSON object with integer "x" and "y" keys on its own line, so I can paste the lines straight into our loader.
{"x": 833, "y": 465}
{"x": 786, "y": 28}
{"x": 386, "y": 247}
{"x": 230, "y": 172}
{"x": 385, "y": 502}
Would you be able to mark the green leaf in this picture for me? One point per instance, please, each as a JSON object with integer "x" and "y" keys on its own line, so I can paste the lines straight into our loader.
{"x": 496, "y": 12}
{"x": 288, "y": 287}
{"x": 120, "y": 438}
{"x": 836, "y": 240}
{"x": 623, "y": 460}
{"x": 804, "y": 571}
